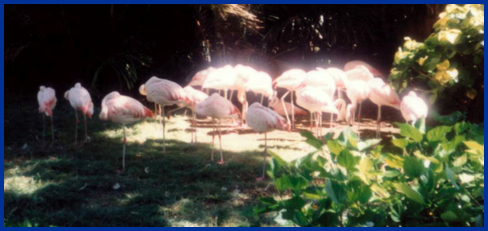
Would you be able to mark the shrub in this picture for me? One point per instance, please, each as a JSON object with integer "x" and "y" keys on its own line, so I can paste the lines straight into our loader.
{"x": 425, "y": 177}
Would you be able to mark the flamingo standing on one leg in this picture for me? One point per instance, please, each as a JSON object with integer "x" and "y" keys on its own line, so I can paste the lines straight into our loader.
{"x": 217, "y": 107}
{"x": 382, "y": 95}
{"x": 244, "y": 74}
{"x": 47, "y": 101}
{"x": 123, "y": 110}
{"x": 262, "y": 119}
{"x": 165, "y": 93}
{"x": 413, "y": 107}
{"x": 290, "y": 80}
{"x": 80, "y": 99}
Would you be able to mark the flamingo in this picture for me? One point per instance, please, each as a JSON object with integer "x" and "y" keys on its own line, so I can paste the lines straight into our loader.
{"x": 290, "y": 80}
{"x": 143, "y": 91}
{"x": 382, "y": 95}
{"x": 200, "y": 77}
{"x": 263, "y": 120}
{"x": 195, "y": 96}
{"x": 165, "y": 93}
{"x": 357, "y": 92}
{"x": 47, "y": 101}
{"x": 339, "y": 77}
{"x": 413, "y": 107}
{"x": 357, "y": 89}
{"x": 315, "y": 100}
{"x": 218, "y": 108}
{"x": 275, "y": 103}
{"x": 324, "y": 81}
{"x": 222, "y": 78}
{"x": 80, "y": 99}
{"x": 244, "y": 74}
{"x": 353, "y": 64}
{"x": 123, "y": 110}
{"x": 260, "y": 83}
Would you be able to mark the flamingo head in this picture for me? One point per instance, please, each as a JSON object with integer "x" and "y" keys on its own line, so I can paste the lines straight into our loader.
{"x": 142, "y": 89}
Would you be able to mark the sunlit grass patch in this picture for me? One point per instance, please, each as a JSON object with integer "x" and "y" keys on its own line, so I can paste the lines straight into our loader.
{"x": 23, "y": 185}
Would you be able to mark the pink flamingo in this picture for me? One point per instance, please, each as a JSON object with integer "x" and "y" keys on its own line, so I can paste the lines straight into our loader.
{"x": 325, "y": 82}
{"x": 277, "y": 106}
{"x": 382, "y": 95}
{"x": 123, "y": 110}
{"x": 413, "y": 107}
{"x": 47, "y": 101}
{"x": 244, "y": 74}
{"x": 353, "y": 64}
{"x": 200, "y": 77}
{"x": 222, "y": 78}
{"x": 80, "y": 99}
{"x": 315, "y": 100}
{"x": 165, "y": 92}
{"x": 260, "y": 83}
{"x": 217, "y": 107}
{"x": 262, "y": 119}
{"x": 357, "y": 92}
{"x": 195, "y": 96}
{"x": 290, "y": 80}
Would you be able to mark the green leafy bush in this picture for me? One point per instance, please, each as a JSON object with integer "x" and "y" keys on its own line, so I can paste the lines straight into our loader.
{"x": 425, "y": 177}
{"x": 449, "y": 63}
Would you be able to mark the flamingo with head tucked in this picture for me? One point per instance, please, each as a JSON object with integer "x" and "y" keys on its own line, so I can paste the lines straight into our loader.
{"x": 47, "y": 101}
{"x": 413, "y": 107}
{"x": 123, "y": 110}
{"x": 218, "y": 108}
{"x": 165, "y": 92}
{"x": 79, "y": 98}
{"x": 263, "y": 120}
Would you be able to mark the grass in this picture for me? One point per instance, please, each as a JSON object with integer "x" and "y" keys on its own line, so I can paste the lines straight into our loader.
{"x": 62, "y": 184}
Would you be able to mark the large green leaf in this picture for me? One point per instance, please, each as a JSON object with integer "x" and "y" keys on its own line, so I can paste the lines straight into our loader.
{"x": 335, "y": 192}
{"x": 334, "y": 146}
{"x": 406, "y": 190}
{"x": 401, "y": 143}
{"x": 347, "y": 160}
{"x": 413, "y": 167}
{"x": 363, "y": 145}
{"x": 409, "y": 131}
{"x": 438, "y": 133}
{"x": 312, "y": 140}
{"x": 450, "y": 175}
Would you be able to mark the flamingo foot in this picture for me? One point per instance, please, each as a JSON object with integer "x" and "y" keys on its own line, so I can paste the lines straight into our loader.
{"x": 124, "y": 140}
{"x": 119, "y": 171}
{"x": 259, "y": 179}
{"x": 221, "y": 162}
{"x": 164, "y": 151}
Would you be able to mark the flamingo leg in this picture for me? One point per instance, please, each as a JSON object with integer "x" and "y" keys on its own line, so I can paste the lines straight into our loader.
{"x": 76, "y": 126}
{"x": 225, "y": 93}
{"x": 284, "y": 107}
{"x": 359, "y": 120}
{"x": 164, "y": 129}
{"x": 262, "y": 97}
{"x": 86, "y": 128}
{"x": 292, "y": 111}
{"x": 378, "y": 121}
{"x": 264, "y": 158}
{"x": 195, "y": 124}
{"x": 231, "y": 95}
{"x": 213, "y": 140}
{"x": 52, "y": 127}
{"x": 155, "y": 108}
{"x": 123, "y": 149}
{"x": 220, "y": 142}
{"x": 311, "y": 120}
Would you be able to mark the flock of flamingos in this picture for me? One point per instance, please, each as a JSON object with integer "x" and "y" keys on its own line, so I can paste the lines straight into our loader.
{"x": 315, "y": 91}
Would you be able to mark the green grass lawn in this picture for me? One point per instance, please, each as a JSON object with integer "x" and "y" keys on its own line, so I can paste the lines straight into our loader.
{"x": 60, "y": 184}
